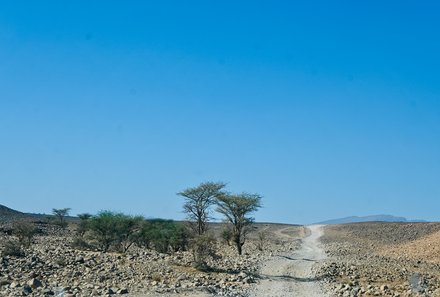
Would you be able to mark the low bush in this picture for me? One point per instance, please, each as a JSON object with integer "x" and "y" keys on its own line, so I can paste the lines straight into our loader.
{"x": 12, "y": 248}
{"x": 118, "y": 232}
{"x": 163, "y": 235}
{"x": 202, "y": 247}
{"x": 82, "y": 226}
{"x": 111, "y": 230}
{"x": 25, "y": 231}
{"x": 226, "y": 236}
{"x": 261, "y": 242}
{"x": 80, "y": 243}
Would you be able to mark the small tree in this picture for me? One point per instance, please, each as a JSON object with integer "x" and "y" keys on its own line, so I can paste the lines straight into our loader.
{"x": 113, "y": 229}
{"x": 126, "y": 230}
{"x": 262, "y": 238}
{"x": 197, "y": 205}
{"x": 79, "y": 240}
{"x": 102, "y": 229}
{"x": 25, "y": 232}
{"x": 60, "y": 215}
{"x": 179, "y": 238}
{"x": 82, "y": 226}
{"x": 227, "y": 235}
{"x": 202, "y": 247}
{"x": 163, "y": 236}
{"x": 236, "y": 209}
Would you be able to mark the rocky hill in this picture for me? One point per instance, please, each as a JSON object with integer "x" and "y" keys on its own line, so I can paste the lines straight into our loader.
{"x": 7, "y": 213}
{"x": 383, "y": 259}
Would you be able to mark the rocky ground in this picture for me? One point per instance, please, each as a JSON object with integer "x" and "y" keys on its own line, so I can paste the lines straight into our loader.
{"x": 52, "y": 267}
{"x": 382, "y": 259}
{"x": 363, "y": 259}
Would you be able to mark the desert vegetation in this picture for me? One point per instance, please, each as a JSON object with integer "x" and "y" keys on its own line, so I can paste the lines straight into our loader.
{"x": 114, "y": 253}
{"x": 235, "y": 208}
{"x": 59, "y": 216}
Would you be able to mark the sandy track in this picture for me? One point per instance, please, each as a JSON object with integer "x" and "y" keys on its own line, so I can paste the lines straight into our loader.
{"x": 291, "y": 274}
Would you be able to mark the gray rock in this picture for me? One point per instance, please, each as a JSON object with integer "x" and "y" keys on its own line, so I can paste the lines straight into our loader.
{"x": 123, "y": 291}
{"x": 34, "y": 283}
{"x": 355, "y": 292}
{"x": 4, "y": 282}
{"x": 110, "y": 291}
{"x": 48, "y": 292}
{"x": 27, "y": 290}
{"x": 14, "y": 285}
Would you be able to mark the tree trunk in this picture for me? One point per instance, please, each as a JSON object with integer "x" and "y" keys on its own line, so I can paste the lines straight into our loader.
{"x": 238, "y": 244}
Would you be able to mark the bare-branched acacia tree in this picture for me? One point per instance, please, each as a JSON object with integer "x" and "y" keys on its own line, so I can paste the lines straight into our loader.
{"x": 198, "y": 202}
{"x": 60, "y": 215}
{"x": 236, "y": 208}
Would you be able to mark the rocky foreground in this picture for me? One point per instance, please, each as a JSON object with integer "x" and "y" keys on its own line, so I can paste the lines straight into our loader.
{"x": 382, "y": 259}
{"x": 52, "y": 267}
{"x": 364, "y": 259}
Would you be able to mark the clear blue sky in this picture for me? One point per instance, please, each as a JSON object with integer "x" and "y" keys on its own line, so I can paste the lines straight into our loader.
{"x": 326, "y": 108}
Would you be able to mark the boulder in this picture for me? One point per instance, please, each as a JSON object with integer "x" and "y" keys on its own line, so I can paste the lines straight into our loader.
{"x": 34, "y": 283}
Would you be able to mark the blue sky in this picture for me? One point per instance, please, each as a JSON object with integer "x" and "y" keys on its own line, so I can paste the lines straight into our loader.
{"x": 326, "y": 108}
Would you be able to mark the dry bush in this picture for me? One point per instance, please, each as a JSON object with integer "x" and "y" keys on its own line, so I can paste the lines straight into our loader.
{"x": 202, "y": 247}
{"x": 12, "y": 248}
{"x": 25, "y": 231}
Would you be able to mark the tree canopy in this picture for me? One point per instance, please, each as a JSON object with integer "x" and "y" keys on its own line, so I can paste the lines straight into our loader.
{"x": 198, "y": 201}
{"x": 236, "y": 209}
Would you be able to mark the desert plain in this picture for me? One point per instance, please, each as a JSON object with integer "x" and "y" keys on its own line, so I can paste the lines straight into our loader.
{"x": 358, "y": 259}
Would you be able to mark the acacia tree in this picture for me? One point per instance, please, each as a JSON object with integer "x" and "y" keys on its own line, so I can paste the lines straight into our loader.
{"x": 198, "y": 201}
{"x": 61, "y": 215}
{"x": 236, "y": 208}
{"x": 127, "y": 229}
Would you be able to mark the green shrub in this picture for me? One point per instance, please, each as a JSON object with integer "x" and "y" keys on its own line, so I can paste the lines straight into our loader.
{"x": 82, "y": 226}
{"x": 109, "y": 230}
{"x": 12, "y": 248}
{"x": 227, "y": 236}
{"x": 25, "y": 231}
{"x": 113, "y": 230}
{"x": 163, "y": 235}
{"x": 202, "y": 247}
{"x": 179, "y": 239}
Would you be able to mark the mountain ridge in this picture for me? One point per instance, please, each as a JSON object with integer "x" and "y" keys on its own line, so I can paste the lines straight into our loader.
{"x": 4, "y": 210}
{"x": 370, "y": 218}
{"x": 7, "y": 213}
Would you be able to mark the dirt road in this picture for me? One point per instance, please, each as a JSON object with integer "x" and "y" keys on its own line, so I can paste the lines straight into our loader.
{"x": 291, "y": 274}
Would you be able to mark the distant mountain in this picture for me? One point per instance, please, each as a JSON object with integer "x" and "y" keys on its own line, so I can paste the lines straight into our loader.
{"x": 7, "y": 213}
{"x": 373, "y": 218}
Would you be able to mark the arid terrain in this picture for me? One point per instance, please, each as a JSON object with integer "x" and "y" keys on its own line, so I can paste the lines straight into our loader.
{"x": 52, "y": 266}
{"x": 382, "y": 259}
{"x": 360, "y": 259}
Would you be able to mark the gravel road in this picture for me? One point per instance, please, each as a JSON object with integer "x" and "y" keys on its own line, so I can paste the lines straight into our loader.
{"x": 291, "y": 274}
